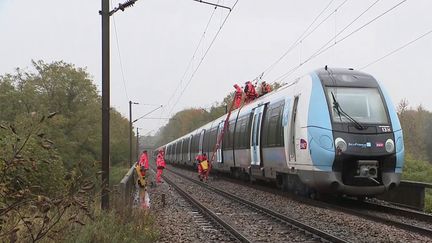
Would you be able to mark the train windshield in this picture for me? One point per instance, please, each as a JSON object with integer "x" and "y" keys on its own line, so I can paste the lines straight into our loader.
{"x": 364, "y": 105}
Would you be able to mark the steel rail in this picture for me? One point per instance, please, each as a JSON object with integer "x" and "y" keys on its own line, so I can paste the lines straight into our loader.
{"x": 207, "y": 211}
{"x": 316, "y": 232}
{"x": 413, "y": 228}
{"x": 325, "y": 204}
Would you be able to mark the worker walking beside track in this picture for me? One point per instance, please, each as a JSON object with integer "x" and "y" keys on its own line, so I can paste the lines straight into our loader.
{"x": 160, "y": 164}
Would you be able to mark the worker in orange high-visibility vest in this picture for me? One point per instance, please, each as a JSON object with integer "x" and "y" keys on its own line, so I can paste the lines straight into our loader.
{"x": 203, "y": 167}
{"x": 250, "y": 92}
{"x": 265, "y": 88}
{"x": 237, "y": 96}
{"x": 143, "y": 162}
{"x": 160, "y": 164}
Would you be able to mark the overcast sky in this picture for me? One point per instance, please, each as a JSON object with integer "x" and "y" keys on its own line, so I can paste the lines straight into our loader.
{"x": 158, "y": 37}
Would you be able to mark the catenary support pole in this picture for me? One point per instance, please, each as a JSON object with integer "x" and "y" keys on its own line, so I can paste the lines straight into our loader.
{"x": 105, "y": 103}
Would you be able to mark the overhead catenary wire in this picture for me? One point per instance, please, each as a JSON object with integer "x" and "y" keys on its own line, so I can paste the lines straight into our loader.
{"x": 203, "y": 57}
{"x": 397, "y": 49}
{"x": 120, "y": 59}
{"x": 287, "y": 74}
{"x": 192, "y": 58}
{"x": 298, "y": 40}
{"x": 324, "y": 48}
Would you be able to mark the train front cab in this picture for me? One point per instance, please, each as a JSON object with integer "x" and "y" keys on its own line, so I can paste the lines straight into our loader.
{"x": 361, "y": 159}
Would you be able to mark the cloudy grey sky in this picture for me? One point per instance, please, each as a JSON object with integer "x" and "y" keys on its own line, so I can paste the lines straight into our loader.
{"x": 158, "y": 37}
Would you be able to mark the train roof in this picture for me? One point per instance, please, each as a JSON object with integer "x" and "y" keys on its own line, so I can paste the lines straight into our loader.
{"x": 345, "y": 77}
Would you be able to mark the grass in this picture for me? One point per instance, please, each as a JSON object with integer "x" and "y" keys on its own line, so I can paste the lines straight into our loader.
{"x": 117, "y": 172}
{"x": 114, "y": 227}
{"x": 419, "y": 170}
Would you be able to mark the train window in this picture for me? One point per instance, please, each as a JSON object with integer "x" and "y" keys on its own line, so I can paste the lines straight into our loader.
{"x": 185, "y": 145}
{"x": 195, "y": 144}
{"x": 229, "y": 135}
{"x": 212, "y": 138}
{"x": 241, "y": 138}
{"x": 272, "y": 130}
{"x": 365, "y": 105}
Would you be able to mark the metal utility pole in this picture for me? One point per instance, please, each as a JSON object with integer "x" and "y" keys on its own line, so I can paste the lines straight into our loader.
{"x": 105, "y": 14}
{"x": 105, "y": 103}
{"x": 130, "y": 131}
{"x": 137, "y": 144}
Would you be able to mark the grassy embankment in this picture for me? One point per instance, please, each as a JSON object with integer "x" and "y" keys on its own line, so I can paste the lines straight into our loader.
{"x": 115, "y": 227}
{"x": 419, "y": 170}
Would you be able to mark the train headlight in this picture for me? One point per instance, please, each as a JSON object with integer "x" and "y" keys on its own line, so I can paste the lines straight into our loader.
{"x": 341, "y": 144}
{"x": 389, "y": 145}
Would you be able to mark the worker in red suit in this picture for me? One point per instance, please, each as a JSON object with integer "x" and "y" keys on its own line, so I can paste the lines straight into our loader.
{"x": 160, "y": 164}
{"x": 265, "y": 88}
{"x": 144, "y": 162}
{"x": 238, "y": 96}
{"x": 203, "y": 166}
{"x": 250, "y": 92}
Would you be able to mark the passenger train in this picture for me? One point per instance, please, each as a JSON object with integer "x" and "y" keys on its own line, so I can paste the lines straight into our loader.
{"x": 331, "y": 131}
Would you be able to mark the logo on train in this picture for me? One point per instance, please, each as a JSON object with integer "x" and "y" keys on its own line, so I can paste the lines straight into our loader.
{"x": 379, "y": 144}
{"x": 303, "y": 144}
{"x": 360, "y": 145}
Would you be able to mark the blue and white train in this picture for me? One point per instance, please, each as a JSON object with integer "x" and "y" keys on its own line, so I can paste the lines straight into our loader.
{"x": 333, "y": 131}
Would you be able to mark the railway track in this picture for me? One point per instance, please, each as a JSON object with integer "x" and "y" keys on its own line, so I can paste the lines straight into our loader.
{"x": 311, "y": 233}
{"x": 410, "y": 220}
{"x": 409, "y": 213}
{"x": 404, "y": 219}
{"x": 207, "y": 212}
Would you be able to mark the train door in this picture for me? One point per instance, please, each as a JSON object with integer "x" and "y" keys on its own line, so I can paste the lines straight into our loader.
{"x": 255, "y": 140}
{"x": 201, "y": 140}
{"x": 293, "y": 126}
{"x": 219, "y": 158}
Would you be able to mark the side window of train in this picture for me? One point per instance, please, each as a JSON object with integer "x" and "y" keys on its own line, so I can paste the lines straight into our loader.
{"x": 272, "y": 128}
{"x": 229, "y": 135}
{"x": 241, "y": 137}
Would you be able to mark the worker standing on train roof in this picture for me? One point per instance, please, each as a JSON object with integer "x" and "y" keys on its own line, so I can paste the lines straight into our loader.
{"x": 250, "y": 92}
{"x": 265, "y": 88}
{"x": 144, "y": 162}
{"x": 160, "y": 164}
{"x": 238, "y": 96}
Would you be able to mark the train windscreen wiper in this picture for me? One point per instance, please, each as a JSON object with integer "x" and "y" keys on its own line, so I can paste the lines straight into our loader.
{"x": 340, "y": 112}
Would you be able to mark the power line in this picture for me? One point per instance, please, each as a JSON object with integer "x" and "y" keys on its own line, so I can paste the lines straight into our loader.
{"x": 202, "y": 59}
{"x": 324, "y": 48}
{"x": 120, "y": 59}
{"x": 396, "y": 50}
{"x": 325, "y": 19}
{"x": 299, "y": 39}
{"x": 192, "y": 58}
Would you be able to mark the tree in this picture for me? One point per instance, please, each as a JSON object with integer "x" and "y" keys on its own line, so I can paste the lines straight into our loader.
{"x": 63, "y": 88}
{"x": 36, "y": 190}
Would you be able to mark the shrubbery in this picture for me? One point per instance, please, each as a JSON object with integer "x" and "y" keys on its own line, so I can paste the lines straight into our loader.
{"x": 112, "y": 227}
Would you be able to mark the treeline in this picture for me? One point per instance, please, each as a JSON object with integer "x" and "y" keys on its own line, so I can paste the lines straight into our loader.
{"x": 67, "y": 90}
{"x": 50, "y": 148}
{"x": 417, "y": 130}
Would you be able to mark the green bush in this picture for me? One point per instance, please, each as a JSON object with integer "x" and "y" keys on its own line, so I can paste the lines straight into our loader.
{"x": 417, "y": 170}
{"x": 112, "y": 227}
{"x": 428, "y": 201}
{"x": 117, "y": 172}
